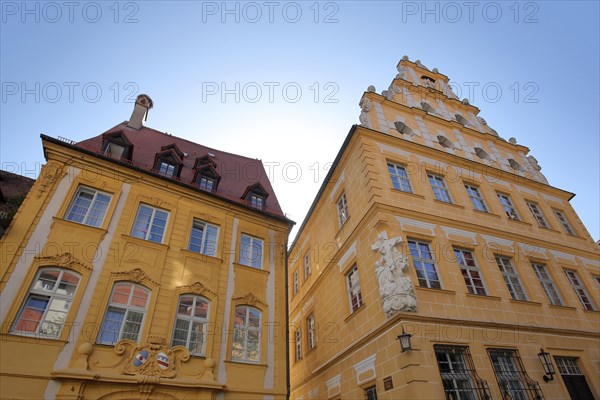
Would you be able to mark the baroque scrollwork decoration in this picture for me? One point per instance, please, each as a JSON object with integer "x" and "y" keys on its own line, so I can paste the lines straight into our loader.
{"x": 65, "y": 260}
{"x": 136, "y": 275}
{"x": 196, "y": 288}
{"x": 395, "y": 287}
{"x": 250, "y": 299}
{"x": 152, "y": 359}
{"x": 51, "y": 173}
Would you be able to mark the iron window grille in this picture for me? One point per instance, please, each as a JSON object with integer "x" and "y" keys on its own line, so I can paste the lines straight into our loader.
{"x": 512, "y": 379}
{"x": 459, "y": 377}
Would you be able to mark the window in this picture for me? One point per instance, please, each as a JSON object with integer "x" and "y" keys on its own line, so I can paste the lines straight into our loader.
{"x": 251, "y": 251}
{"x": 564, "y": 222}
{"x": 514, "y": 165}
{"x": 399, "y": 177}
{"x": 403, "y": 129}
{"x": 342, "y": 209}
{"x": 47, "y": 305}
{"x": 481, "y": 153}
{"x": 537, "y": 214}
{"x": 579, "y": 289}
{"x": 476, "y": 198}
{"x": 445, "y": 142}
{"x": 424, "y": 264}
{"x": 246, "y": 334}
{"x": 573, "y": 378}
{"x": 203, "y": 238}
{"x": 88, "y": 207}
{"x": 547, "y": 284}
{"x": 114, "y": 150}
{"x": 469, "y": 271}
{"x": 125, "y": 314}
{"x": 512, "y": 379}
{"x": 371, "y": 393}
{"x": 440, "y": 190}
{"x": 206, "y": 183}
{"x": 296, "y": 283}
{"x": 510, "y": 210}
{"x": 306, "y": 265}
{"x": 354, "y": 289}
{"x": 428, "y": 108}
{"x": 191, "y": 324}
{"x": 458, "y": 374}
{"x": 511, "y": 278}
{"x": 312, "y": 342}
{"x": 256, "y": 201}
{"x": 150, "y": 223}
{"x": 298, "y": 344}
{"x": 461, "y": 120}
{"x": 597, "y": 279}
{"x": 164, "y": 168}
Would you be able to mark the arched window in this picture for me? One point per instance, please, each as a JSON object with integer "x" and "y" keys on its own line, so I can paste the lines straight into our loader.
{"x": 246, "y": 334}
{"x": 124, "y": 317}
{"x": 48, "y": 301}
{"x": 191, "y": 324}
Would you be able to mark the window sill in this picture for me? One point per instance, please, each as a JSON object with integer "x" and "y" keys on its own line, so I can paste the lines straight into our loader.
{"x": 484, "y": 296}
{"x": 310, "y": 351}
{"x": 78, "y": 225}
{"x": 35, "y": 338}
{"x": 426, "y": 289}
{"x": 355, "y": 312}
{"x": 247, "y": 267}
{"x": 246, "y": 363}
{"x": 487, "y": 213}
{"x": 518, "y": 221}
{"x": 533, "y": 303}
{"x": 592, "y": 311}
{"x": 158, "y": 246}
{"x": 449, "y": 204}
{"x": 562, "y": 307}
{"x": 342, "y": 226}
{"x": 203, "y": 257}
{"x": 409, "y": 193}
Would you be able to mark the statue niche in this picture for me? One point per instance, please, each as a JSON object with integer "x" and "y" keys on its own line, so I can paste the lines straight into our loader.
{"x": 395, "y": 287}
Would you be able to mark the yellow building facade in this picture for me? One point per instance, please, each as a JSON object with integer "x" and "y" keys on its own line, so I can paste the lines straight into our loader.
{"x": 142, "y": 265}
{"x": 432, "y": 225}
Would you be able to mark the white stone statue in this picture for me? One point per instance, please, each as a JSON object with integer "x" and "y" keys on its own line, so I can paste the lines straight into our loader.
{"x": 402, "y": 72}
{"x": 365, "y": 107}
{"x": 395, "y": 287}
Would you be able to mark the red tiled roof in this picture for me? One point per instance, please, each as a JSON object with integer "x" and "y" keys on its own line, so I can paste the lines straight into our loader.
{"x": 237, "y": 172}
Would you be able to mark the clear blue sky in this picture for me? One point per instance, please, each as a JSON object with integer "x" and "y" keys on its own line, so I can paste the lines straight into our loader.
{"x": 281, "y": 81}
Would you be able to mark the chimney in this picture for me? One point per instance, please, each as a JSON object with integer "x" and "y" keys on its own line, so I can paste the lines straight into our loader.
{"x": 143, "y": 103}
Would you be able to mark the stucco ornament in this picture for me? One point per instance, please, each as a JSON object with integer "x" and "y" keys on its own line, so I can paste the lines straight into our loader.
{"x": 365, "y": 107}
{"x": 395, "y": 287}
{"x": 153, "y": 358}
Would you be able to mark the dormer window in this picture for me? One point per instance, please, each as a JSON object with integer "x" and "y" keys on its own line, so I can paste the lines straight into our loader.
{"x": 206, "y": 177}
{"x": 256, "y": 196}
{"x": 256, "y": 201}
{"x": 168, "y": 163}
{"x": 164, "y": 168}
{"x": 116, "y": 145}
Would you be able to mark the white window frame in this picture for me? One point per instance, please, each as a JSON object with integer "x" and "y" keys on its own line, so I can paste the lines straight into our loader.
{"x": 148, "y": 228}
{"x": 439, "y": 188}
{"x": 419, "y": 264}
{"x": 562, "y": 218}
{"x": 511, "y": 278}
{"x": 128, "y": 310}
{"x": 257, "y": 201}
{"x": 296, "y": 282}
{"x": 547, "y": 284}
{"x": 472, "y": 271}
{"x": 298, "y": 344}
{"x": 538, "y": 214}
{"x": 206, "y": 183}
{"x": 191, "y": 320}
{"x": 166, "y": 168}
{"x": 508, "y": 206}
{"x": 310, "y": 321}
{"x": 579, "y": 289}
{"x": 476, "y": 197}
{"x": 243, "y": 330}
{"x": 342, "y": 210}
{"x": 92, "y": 206}
{"x": 398, "y": 172}
{"x": 353, "y": 289}
{"x": 52, "y": 297}
{"x": 206, "y": 247}
{"x": 307, "y": 265}
{"x": 108, "y": 150}
{"x": 250, "y": 261}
